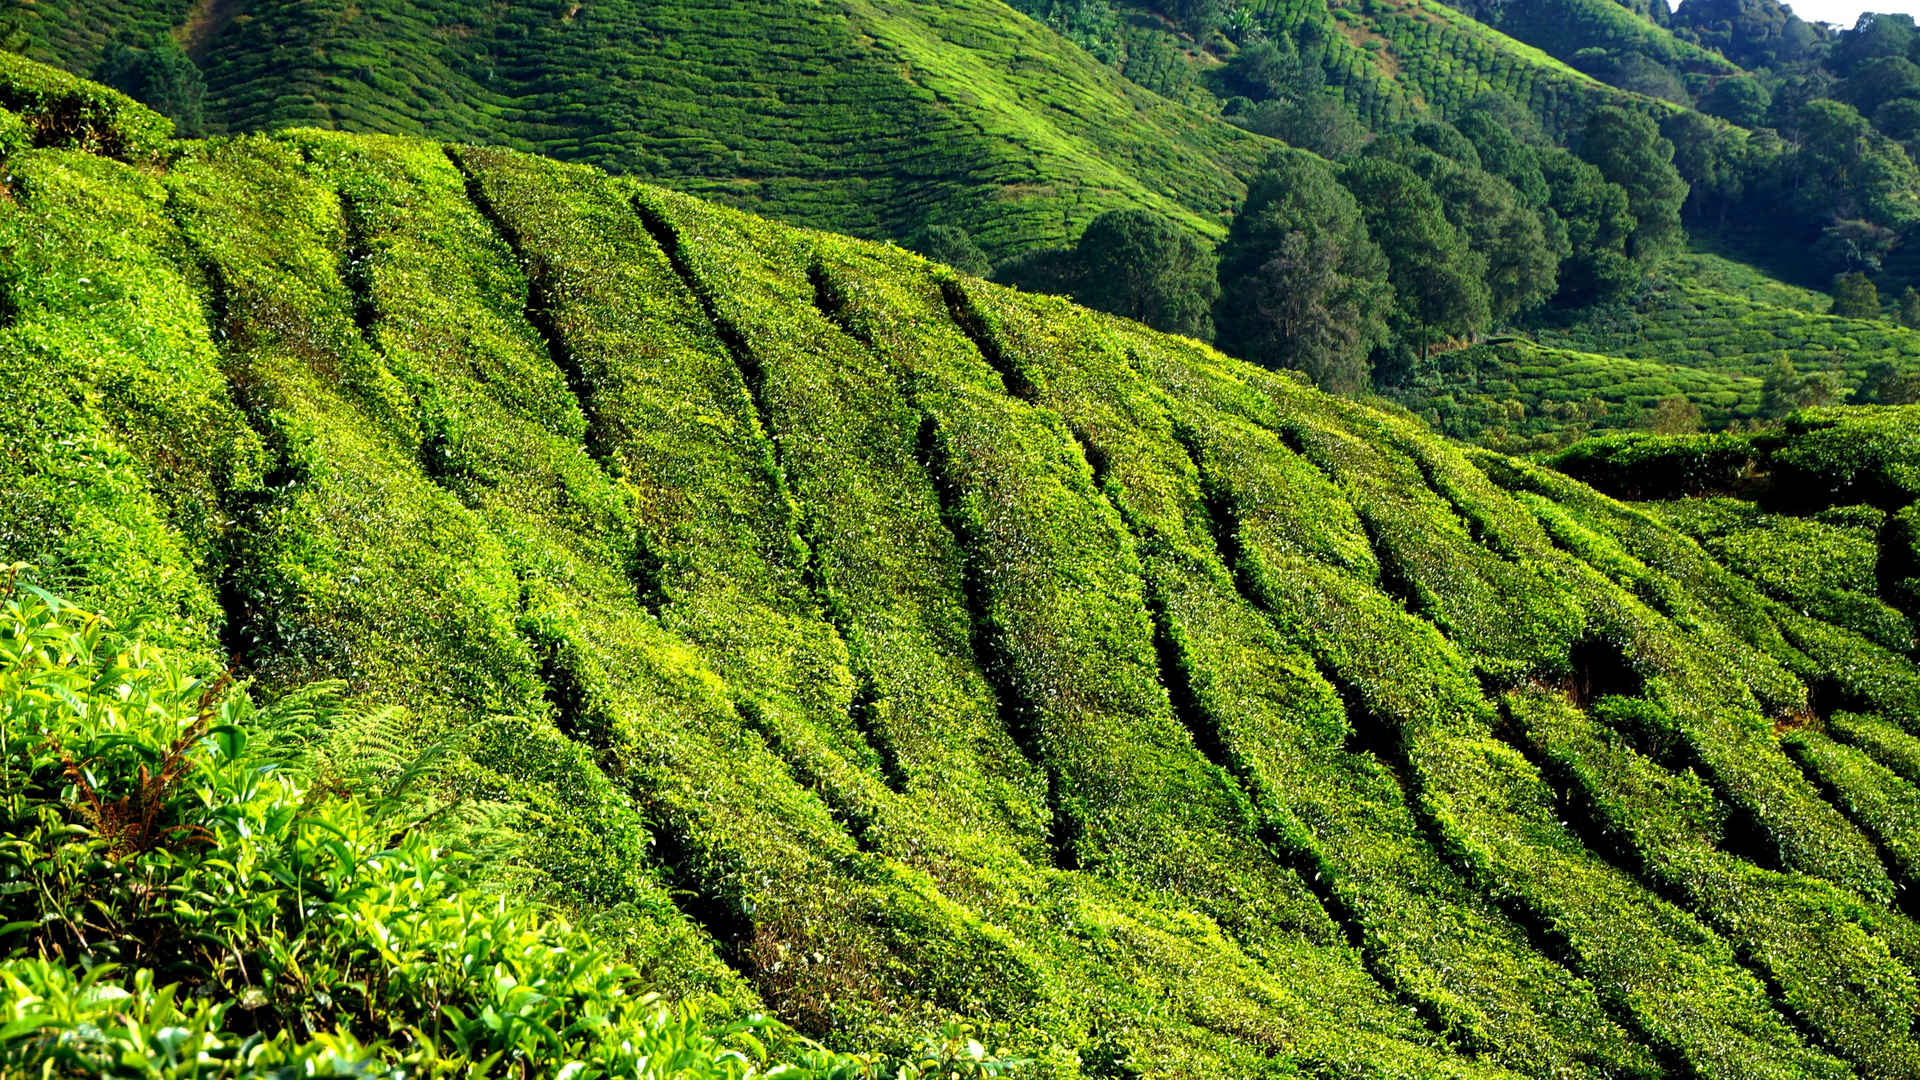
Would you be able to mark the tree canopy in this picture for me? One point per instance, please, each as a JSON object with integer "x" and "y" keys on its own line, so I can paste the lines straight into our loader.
{"x": 1303, "y": 285}
{"x": 1138, "y": 264}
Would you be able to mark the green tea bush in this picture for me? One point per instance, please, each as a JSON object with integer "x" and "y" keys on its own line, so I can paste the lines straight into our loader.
{"x": 1817, "y": 567}
{"x": 1280, "y": 728}
{"x": 1661, "y": 466}
{"x": 1886, "y": 805}
{"x": 61, "y": 110}
{"x": 180, "y": 902}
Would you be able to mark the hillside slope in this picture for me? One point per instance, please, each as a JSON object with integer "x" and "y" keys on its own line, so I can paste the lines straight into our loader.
{"x": 873, "y": 117}
{"x": 888, "y": 646}
{"x": 1705, "y": 328}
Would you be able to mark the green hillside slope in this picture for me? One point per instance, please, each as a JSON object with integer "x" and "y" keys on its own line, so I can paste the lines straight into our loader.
{"x": 1445, "y": 59}
{"x": 867, "y": 117}
{"x": 888, "y": 647}
{"x": 1564, "y": 27}
{"x": 1397, "y": 60}
{"x": 1705, "y": 329}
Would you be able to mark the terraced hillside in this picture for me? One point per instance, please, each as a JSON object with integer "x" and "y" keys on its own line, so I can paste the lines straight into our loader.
{"x": 1564, "y": 27}
{"x": 1397, "y": 60}
{"x": 873, "y": 118}
{"x": 1445, "y": 59}
{"x": 1706, "y": 329}
{"x": 888, "y": 647}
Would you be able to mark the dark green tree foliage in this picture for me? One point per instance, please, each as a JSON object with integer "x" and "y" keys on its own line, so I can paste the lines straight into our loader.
{"x": 1910, "y": 308}
{"x": 1520, "y": 252}
{"x": 1885, "y": 384}
{"x": 1714, "y": 162}
{"x": 1633, "y": 71}
{"x": 1522, "y": 266}
{"x": 952, "y": 245}
{"x": 1749, "y": 32}
{"x": 1899, "y": 120}
{"x": 1321, "y": 122}
{"x": 1787, "y": 389}
{"x": 159, "y": 73}
{"x": 1737, "y": 99}
{"x": 1263, "y": 70}
{"x": 1854, "y": 296}
{"x": 1447, "y": 141}
{"x": 1093, "y": 25}
{"x": 1504, "y": 154}
{"x": 1138, "y": 264}
{"x": 1629, "y": 151}
{"x": 1438, "y": 280}
{"x": 1873, "y": 37}
{"x": 1598, "y": 226}
{"x": 1845, "y": 170}
{"x": 1303, "y": 285}
{"x": 1879, "y": 81}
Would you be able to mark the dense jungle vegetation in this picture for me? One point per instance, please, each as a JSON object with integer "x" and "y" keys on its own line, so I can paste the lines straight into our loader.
{"x": 467, "y": 613}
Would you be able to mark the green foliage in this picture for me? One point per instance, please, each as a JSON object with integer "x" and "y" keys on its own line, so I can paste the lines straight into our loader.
{"x": 1303, "y": 284}
{"x": 1564, "y": 27}
{"x": 1737, "y": 99}
{"x": 1629, "y": 151}
{"x": 1438, "y": 280}
{"x": 815, "y": 627}
{"x": 61, "y": 110}
{"x": 1522, "y": 266}
{"x": 1854, "y": 297}
{"x": 834, "y": 116}
{"x": 1599, "y": 223}
{"x": 951, "y": 245}
{"x": 1825, "y": 569}
{"x": 1140, "y": 265}
{"x": 219, "y": 912}
{"x": 160, "y": 74}
{"x": 1708, "y": 329}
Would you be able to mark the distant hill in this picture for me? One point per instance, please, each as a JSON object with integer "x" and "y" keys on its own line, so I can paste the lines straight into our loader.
{"x": 840, "y": 634}
{"x": 871, "y": 118}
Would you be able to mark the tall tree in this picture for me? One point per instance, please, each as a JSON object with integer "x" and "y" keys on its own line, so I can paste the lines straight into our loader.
{"x": 1522, "y": 266}
{"x": 1737, "y": 99}
{"x": 1714, "y": 162}
{"x": 1628, "y": 149}
{"x": 1845, "y": 170}
{"x": 1438, "y": 280}
{"x": 1854, "y": 296}
{"x": 1303, "y": 286}
{"x": 1786, "y": 389}
{"x": 954, "y": 246}
{"x": 1594, "y": 214}
{"x": 1506, "y": 155}
{"x": 1752, "y": 33}
{"x": 1318, "y": 122}
{"x": 159, "y": 73}
{"x": 1141, "y": 265}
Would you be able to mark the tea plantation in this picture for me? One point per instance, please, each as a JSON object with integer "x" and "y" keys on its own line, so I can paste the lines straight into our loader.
{"x": 874, "y": 119}
{"x": 618, "y": 594}
{"x": 1706, "y": 329}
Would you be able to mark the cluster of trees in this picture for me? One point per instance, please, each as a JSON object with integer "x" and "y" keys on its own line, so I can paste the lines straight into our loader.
{"x": 159, "y": 72}
{"x": 1827, "y": 182}
{"x": 1354, "y": 270}
{"x": 1275, "y": 85}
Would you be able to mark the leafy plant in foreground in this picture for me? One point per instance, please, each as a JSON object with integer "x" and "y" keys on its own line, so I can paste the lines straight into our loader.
{"x": 178, "y": 903}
